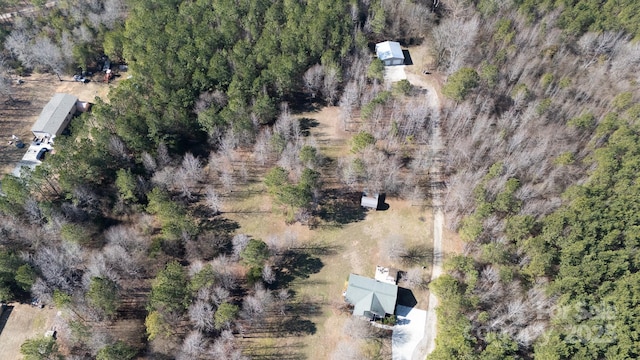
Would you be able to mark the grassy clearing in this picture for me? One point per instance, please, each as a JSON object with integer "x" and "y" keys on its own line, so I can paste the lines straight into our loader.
{"x": 347, "y": 240}
{"x": 22, "y": 322}
{"x": 354, "y": 247}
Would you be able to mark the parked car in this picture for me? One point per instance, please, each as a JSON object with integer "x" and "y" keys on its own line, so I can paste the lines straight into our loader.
{"x": 80, "y": 78}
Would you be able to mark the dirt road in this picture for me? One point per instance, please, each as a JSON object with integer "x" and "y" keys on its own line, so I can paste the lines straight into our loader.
{"x": 437, "y": 186}
{"x": 432, "y": 84}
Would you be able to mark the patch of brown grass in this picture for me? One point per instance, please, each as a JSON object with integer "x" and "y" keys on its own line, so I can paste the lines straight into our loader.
{"x": 353, "y": 247}
{"x": 22, "y": 322}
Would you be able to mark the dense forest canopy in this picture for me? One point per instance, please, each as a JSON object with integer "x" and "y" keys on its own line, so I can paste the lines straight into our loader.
{"x": 542, "y": 170}
{"x": 580, "y": 16}
{"x": 252, "y": 54}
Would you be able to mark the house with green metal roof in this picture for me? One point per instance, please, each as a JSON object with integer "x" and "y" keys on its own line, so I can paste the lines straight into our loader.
{"x": 371, "y": 298}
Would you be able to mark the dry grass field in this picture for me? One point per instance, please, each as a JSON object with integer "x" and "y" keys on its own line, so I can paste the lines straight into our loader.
{"x": 19, "y": 323}
{"x": 356, "y": 247}
{"x": 352, "y": 246}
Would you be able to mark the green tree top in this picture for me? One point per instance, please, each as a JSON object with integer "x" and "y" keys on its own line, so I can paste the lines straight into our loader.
{"x": 288, "y": 193}
{"x": 169, "y": 290}
{"x": 126, "y": 184}
{"x": 308, "y": 155}
{"x": 361, "y": 140}
{"x": 117, "y": 351}
{"x": 460, "y": 83}
{"x": 255, "y": 254}
{"x": 42, "y": 348}
{"x": 225, "y": 314}
{"x": 376, "y": 70}
{"x": 103, "y": 294}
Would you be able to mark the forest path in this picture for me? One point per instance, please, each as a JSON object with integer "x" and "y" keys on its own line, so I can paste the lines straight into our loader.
{"x": 437, "y": 187}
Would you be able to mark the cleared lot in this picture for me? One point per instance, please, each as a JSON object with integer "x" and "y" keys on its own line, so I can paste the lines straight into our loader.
{"x": 18, "y": 113}
{"x": 20, "y": 322}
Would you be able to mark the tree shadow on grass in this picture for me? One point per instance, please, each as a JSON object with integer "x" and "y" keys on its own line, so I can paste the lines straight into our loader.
{"x": 418, "y": 255}
{"x": 15, "y": 104}
{"x": 297, "y": 326}
{"x": 275, "y": 352}
{"x": 319, "y": 250}
{"x": 306, "y": 124}
{"x": 341, "y": 207}
{"x": 294, "y": 265}
{"x": 203, "y": 212}
{"x": 220, "y": 225}
{"x": 279, "y": 355}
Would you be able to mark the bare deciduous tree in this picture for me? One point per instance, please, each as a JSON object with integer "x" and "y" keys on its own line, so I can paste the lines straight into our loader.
{"x": 46, "y": 55}
{"x": 239, "y": 242}
{"x": 201, "y": 314}
{"x": 193, "y": 347}
{"x": 414, "y": 278}
{"x": 453, "y": 39}
{"x": 213, "y": 200}
{"x": 268, "y": 275}
{"x": 394, "y": 246}
{"x": 348, "y": 350}
{"x": 224, "y": 272}
{"x": 163, "y": 158}
{"x": 192, "y": 167}
{"x": 358, "y": 328}
{"x": 261, "y": 149}
{"x": 149, "y": 162}
{"x": 255, "y": 306}
{"x": 17, "y": 43}
{"x": 330, "y": 84}
{"x": 225, "y": 348}
{"x": 59, "y": 265}
{"x": 313, "y": 79}
{"x": 6, "y": 88}
{"x": 118, "y": 148}
{"x": 220, "y": 295}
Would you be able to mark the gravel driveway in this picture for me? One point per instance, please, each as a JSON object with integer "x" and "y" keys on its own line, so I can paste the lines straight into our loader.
{"x": 394, "y": 73}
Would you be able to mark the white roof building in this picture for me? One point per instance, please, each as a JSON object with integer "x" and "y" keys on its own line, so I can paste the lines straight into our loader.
{"x": 33, "y": 157}
{"x": 55, "y": 116}
{"x": 369, "y": 200}
{"x": 386, "y": 275}
{"x": 390, "y": 53}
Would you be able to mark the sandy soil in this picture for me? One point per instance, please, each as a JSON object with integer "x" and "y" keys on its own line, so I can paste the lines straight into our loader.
{"x": 17, "y": 116}
{"x": 23, "y": 322}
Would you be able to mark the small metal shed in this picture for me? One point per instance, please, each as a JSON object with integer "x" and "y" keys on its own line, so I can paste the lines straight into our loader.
{"x": 390, "y": 53}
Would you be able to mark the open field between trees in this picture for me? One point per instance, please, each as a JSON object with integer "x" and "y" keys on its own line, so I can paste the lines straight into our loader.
{"x": 20, "y": 322}
{"x": 355, "y": 246}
